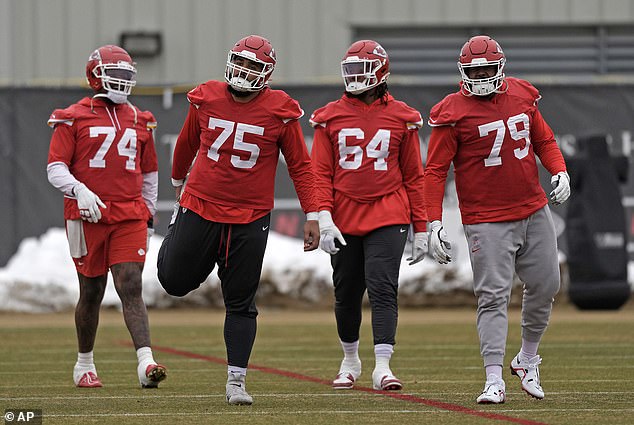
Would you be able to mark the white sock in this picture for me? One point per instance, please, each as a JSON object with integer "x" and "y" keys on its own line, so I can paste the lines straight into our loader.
{"x": 350, "y": 351}
{"x": 85, "y": 363}
{"x": 236, "y": 370}
{"x": 382, "y": 356}
{"x": 144, "y": 357}
{"x": 86, "y": 360}
{"x": 529, "y": 349}
{"x": 493, "y": 369}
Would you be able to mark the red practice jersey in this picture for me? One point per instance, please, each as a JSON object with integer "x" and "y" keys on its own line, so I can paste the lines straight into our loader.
{"x": 107, "y": 147}
{"x": 236, "y": 148}
{"x": 368, "y": 164}
{"x": 492, "y": 143}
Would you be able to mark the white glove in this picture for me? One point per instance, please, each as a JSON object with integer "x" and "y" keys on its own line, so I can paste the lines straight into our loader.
{"x": 561, "y": 188}
{"x": 328, "y": 232}
{"x": 419, "y": 248}
{"x": 88, "y": 203}
{"x": 439, "y": 245}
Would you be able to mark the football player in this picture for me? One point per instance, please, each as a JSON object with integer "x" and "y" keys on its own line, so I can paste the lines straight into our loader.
{"x": 367, "y": 160}
{"x": 492, "y": 131}
{"x": 102, "y": 158}
{"x": 234, "y": 132}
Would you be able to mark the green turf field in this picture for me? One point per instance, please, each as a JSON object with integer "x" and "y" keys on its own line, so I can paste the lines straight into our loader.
{"x": 587, "y": 372}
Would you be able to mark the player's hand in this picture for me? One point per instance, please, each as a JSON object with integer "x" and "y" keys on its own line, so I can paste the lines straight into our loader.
{"x": 561, "y": 188}
{"x": 88, "y": 203}
{"x": 178, "y": 190}
{"x": 439, "y": 246}
{"x": 419, "y": 248}
{"x": 311, "y": 233}
{"x": 329, "y": 232}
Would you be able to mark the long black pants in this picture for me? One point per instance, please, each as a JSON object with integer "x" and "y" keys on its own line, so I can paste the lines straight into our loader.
{"x": 192, "y": 248}
{"x": 369, "y": 262}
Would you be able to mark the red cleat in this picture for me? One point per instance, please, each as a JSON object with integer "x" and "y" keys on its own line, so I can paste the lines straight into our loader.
{"x": 89, "y": 380}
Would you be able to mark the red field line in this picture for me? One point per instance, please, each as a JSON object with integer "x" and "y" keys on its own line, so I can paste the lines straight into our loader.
{"x": 399, "y": 396}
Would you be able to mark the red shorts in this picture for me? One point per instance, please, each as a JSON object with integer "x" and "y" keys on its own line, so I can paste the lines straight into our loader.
{"x": 109, "y": 244}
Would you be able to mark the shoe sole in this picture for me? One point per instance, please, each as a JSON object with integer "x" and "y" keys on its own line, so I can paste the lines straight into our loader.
{"x": 344, "y": 385}
{"x": 99, "y": 385}
{"x": 155, "y": 376}
{"x": 514, "y": 372}
{"x": 389, "y": 385}
{"x": 240, "y": 403}
{"x": 490, "y": 402}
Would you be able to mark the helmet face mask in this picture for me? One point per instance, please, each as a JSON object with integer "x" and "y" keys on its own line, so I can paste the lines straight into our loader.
{"x": 250, "y": 64}
{"x": 359, "y": 75}
{"x": 117, "y": 78}
{"x": 481, "y": 51}
{"x": 246, "y": 74}
{"x": 110, "y": 69}
{"x": 364, "y": 66}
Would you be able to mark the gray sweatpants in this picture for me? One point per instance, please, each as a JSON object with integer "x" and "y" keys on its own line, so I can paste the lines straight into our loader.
{"x": 498, "y": 250}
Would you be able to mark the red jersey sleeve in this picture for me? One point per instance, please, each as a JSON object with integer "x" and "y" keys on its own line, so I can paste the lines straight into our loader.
{"x": 445, "y": 112}
{"x": 187, "y": 143}
{"x": 62, "y": 146}
{"x": 324, "y": 165}
{"x": 442, "y": 149}
{"x": 545, "y": 145}
{"x": 524, "y": 89}
{"x": 321, "y": 116}
{"x": 149, "y": 161}
{"x": 412, "y": 170}
{"x": 196, "y": 95}
{"x": 61, "y": 116}
{"x": 299, "y": 165}
{"x": 286, "y": 108}
{"x": 542, "y": 137}
{"x": 412, "y": 118}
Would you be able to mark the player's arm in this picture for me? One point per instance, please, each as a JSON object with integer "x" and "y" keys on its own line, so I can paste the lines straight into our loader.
{"x": 60, "y": 154}
{"x": 324, "y": 165}
{"x": 301, "y": 172}
{"x": 187, "y": 145}
{"x": 441, "y": 151}
{"x": 412, "y": 171}
{"x": 545, "y": 147}
{"x": 149, "y": 170}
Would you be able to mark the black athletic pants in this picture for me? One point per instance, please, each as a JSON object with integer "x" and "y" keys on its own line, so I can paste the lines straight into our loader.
{"x": 369, "y": 262}
{"x": 192, "y": 248}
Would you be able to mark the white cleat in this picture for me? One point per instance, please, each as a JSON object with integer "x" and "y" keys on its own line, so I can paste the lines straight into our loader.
{"x": 528, "y": 372}
{"x": 237, "y": 390}
{"x": 348, "y": 374}
{"x": 384, "y": 380}
{"x": 494, "y": 391}
{"x": 151, "y": 375}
